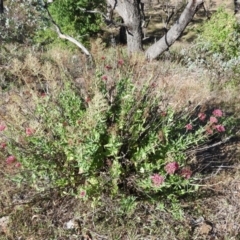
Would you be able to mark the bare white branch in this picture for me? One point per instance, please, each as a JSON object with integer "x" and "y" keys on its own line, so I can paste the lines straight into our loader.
{"x": 69, "y": 38}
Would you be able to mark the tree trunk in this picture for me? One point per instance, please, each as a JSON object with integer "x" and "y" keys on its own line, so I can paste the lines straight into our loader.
{"x": 134, "y": 29}
{"x": 175, "y": 31}
{"x": 129, "y": 10}
{"x": 134, "y": 36}
{"x": 1, "y": 7}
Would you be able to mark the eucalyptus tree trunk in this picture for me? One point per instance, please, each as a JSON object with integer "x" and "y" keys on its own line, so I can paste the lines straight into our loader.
{"x": 134, "y": 29}
{"x": 175, "y": 31}
{"x": 129, "y": 10}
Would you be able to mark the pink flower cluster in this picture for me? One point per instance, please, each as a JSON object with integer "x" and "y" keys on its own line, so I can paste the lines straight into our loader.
{"x": 108, "y": 67}
{"x": 104, "y": 77}
{"x": 189, "y": 127}
{"x": 30, "y": 131}
{"x": 3, "y": 145}
{"x": 202, "y": 116}
{"x": 213, "y": 119}
{"x": 217, "y": 113}
{"x": 2, "y": 127}
{"x": 171, "y": 167}
{"x": 82, "y": 193}
{"x": 220, "y": 128}
{"x": 186, "y": 173}
{"x": 157, "y": 179}
{"x": 120, "y": 62}
{"x": 212, "y": 123}
{"x": 11, "y": 159}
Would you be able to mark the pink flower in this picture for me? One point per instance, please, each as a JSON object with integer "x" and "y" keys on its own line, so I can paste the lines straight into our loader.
{"x": 186, "y": 173}
{"x": 153, "y": 85}
{"x": 82, "y": 194}
{"x": 88, "y": 99}
{"x": 220, "y": 128}
{"x": 108, "y": 67}
{"x": 157, "y": 179}
{"x": 217, "y": 113}
{"x": 18, "y": 165}
{"x": 104, "y": 77}
{"x": 2, "y": 127}
{"x": 29, "y": 131}
{"x": 202, "y": 116}
{"x": 120, "y": 62}
{"x": 10, "y": 159}
{"x": 189, "y": 126}
{"x": 103, "y": 57}
{"x": 3, "y": 145}
{"x": 213, "y": 120}
{"x": 172, "y": 167}
{"x": 163, "y": 114}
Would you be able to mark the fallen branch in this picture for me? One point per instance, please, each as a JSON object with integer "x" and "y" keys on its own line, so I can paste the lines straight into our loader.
{"x": 69, "y": 38}
{"x": 213, "y": 145}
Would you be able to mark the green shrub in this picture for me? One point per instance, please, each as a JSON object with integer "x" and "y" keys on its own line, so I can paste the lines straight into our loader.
{"x": 220, "y": 34}
{"x": 29, "y": 22}
{"x": 216, "y": 48}
{"x": 115, "y": 138}
{"x": 73, "y": 20}
{"x": 20, "y": 22}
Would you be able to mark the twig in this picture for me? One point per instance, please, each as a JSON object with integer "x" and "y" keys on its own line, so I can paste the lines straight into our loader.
{"x": 94, "y": 233}
{"x": 206, "y": 185}
{"x": 211, "y": 146}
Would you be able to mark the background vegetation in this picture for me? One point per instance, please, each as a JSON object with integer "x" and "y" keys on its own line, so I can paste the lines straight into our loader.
{"x": 74, "y": 19}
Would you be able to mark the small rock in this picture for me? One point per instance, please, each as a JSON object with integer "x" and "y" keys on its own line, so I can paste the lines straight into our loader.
{"x": 3, "y": 224}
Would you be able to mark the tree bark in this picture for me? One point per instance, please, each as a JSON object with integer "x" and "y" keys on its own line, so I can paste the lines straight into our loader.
{"x": 175, "y": 31}
{"x": 134, "y": 37}
{"x": 1, "y": 7}
{"x": 129, "y": 10}
{"x": 134, "y": 29}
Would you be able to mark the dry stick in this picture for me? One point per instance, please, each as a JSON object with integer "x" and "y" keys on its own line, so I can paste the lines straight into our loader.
{"x": 215, "y": 144}
{"x": 94, "y": 233}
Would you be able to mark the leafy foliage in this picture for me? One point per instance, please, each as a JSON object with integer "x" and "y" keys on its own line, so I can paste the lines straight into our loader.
{"x": 74, "y": 19}
{"x": 217, "y": 47}
{"x": 221, "y": 34}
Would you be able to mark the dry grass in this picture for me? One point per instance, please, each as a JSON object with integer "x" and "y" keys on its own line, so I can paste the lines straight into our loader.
{"x": 44, "y": 216}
